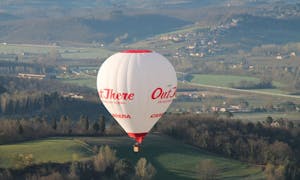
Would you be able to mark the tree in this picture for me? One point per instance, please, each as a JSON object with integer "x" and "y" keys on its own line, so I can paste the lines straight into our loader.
{"x": 96, "y": 127}
{"x": 102, "y": 124}
{"x": 273, "y": 172}
{"x": 279, "y": 153}
{"x": 290, "y": 125}
{"x": 144, "y": 170}
{"x": 123, "y": 170}
{"x": 73, "y": 172}
{"x": 83, "y": 124}
{"x": 269, "y": 120}
{"x": 269, "y": 171}
{"x": 23, "y": 160}
{"x": 287, "y": 106}
{"x": 6, "y": 174}
{"x": 105, "y": 159}
{"x": 54, "y": 124}
{"x": 207, "y": 170}
{"x": 20, "y": 128}
{"x": 65, "y": 124}
{"x": 86, "y": 124}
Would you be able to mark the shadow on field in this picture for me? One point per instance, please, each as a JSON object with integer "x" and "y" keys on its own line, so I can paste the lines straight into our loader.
{"x": 153, "y": 147}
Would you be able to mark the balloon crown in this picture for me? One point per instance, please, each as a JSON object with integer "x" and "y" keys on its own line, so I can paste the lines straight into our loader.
{"x": 136, "y": 51}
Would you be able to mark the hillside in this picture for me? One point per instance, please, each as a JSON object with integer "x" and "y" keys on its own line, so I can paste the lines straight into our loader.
{"x": 172, "y": 160}
{"x": 22, "y": 98}
{"x": 122, "y": 28}
{"x": 123, "y": 21}
{"x": 253, "y": 31}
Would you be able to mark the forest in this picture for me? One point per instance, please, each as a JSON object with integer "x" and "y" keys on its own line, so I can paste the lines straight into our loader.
{"x": 274, "y": 149}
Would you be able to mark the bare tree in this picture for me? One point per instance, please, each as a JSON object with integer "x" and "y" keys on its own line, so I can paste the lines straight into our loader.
{"x": 105, "y": 159}
{"x": 144, "y": 170}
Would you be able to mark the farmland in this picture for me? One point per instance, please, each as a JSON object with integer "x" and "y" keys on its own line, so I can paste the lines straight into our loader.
{"x": 226, "y": 80}
{"x": 44, "y": 151}
{"x": 172, "y": 160}
{"x": 83, "y": 52}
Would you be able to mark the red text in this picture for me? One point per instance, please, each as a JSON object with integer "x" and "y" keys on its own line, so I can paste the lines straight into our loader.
{"x": 112, "y": 95}
{"x": 122, "y": 116}
{"x": 156, "y": 115}
{"x": 160, "y": 93}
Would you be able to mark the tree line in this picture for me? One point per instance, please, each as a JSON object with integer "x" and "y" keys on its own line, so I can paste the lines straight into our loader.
{"x": 265, "y": 83}
{"x": 52, "y": 105}
{"x": 274, "y": 148}
{"x": 28, "y": 98}
{"x": 15, "y": 67}
{"x": 25, "y": 87}
{"x": 38, "y": 127}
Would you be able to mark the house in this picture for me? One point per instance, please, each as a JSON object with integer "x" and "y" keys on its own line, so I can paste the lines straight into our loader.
{"x": 223, "y": 109}
{"x": 279, "y": 57}
{"x": 292, "y": 54}
{"x": 31, "y": 76}
{"x": 275, "y": 124}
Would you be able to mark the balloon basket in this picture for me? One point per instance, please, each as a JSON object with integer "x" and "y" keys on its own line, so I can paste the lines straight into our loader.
{"x": 136, "y": 148}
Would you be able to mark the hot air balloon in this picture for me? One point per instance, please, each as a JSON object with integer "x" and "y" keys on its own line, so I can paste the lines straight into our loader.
{"x": 136, "y": 87}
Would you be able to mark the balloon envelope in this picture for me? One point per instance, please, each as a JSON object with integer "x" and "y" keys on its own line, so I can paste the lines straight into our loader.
{"x": 136, "y": 87}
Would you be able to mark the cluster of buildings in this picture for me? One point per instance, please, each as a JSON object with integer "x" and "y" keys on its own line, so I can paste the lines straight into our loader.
{"x": 201, "y": 42}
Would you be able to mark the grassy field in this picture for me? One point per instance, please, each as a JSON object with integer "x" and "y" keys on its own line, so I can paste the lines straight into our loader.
{"x": 226, "y": 80}
{"x": 82, "y": 81}
{"x": 65, "y": 52}
{"x": 254, "y": 117}
{"x": 52, "y": 149}
{"x": 175, "y": 160}
{"x": 171, "y": 158}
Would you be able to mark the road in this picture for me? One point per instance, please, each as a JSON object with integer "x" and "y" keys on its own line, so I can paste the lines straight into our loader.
{"x": 244, "y": 90}
{"x": 238, "y": 90}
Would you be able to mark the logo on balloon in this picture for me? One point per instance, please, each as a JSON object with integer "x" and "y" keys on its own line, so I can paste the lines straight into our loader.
{"x": 121, "y": 116}
{"x": 111, "y": 96}
{"x": 163, "y": 95}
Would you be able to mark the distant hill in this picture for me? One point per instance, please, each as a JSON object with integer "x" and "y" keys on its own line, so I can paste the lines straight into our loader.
{"x": 124, "y": 28}
{"x": 125, "y": 21}
{"x": 253, "y": 30}
{"x": 131, "y": 3}
{"x": 7, "y": 17}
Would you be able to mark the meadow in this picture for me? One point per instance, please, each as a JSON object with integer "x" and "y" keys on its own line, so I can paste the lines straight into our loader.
{"x": 87, "y": 52}
{"x": 52, "y": 149}
{"x": 226, "y": 80}
{"x": 81, "y": 81}
{"x": 172, "y": 158}
{"x": 254, "y": 117}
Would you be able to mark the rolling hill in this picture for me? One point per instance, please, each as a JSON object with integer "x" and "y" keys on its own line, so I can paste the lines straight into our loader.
{"x": 124, "y": 28}
{"x": 171, "y": 158}
{"x": 255, "y": 30}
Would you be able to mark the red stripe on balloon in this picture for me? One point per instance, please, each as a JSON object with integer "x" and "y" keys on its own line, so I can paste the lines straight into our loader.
{"x": 137, "y": 136}
{"x": 136, "y": 51}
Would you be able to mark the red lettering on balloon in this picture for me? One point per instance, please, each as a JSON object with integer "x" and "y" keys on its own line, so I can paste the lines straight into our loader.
{"x": 156, "y": 115}
{"x": 162, "y": 94}
{"x": 110, "y": 94}
{"x": 121, "y": 116}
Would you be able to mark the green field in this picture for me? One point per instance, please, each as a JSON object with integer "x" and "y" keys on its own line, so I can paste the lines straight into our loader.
{"x": 52, "y": 149}
{"x": 172, "y": 159}
{"x": 225, "y": 80}
{"x": 81, "y": 81}
{"x": 65, "y": 52}
{"x": 175, "y": 160}
{"x": 220, "y": 80}
{"x": 254, "y": 117}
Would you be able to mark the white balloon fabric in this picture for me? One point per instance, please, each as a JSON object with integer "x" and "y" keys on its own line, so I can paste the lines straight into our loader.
{"x": 136, "y": 87}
